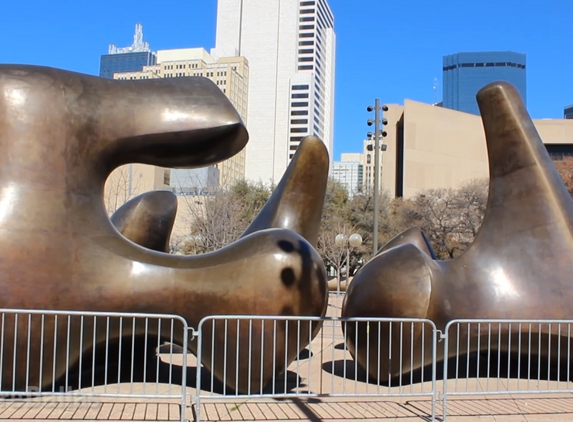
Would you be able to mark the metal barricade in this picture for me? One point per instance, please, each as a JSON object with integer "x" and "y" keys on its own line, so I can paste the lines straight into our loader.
{"x": 245, "y": 356}
{"x": 495, "y": 357}
{"x": 78, "y": 355}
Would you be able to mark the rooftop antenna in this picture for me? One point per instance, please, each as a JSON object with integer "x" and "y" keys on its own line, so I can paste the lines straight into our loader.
{"x": 435, "y": 91}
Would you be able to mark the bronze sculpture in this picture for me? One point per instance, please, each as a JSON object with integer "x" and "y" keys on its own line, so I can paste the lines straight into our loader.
{"x": 517, "y": 268}
{"x": 61, "y": 135}
{"x": 148, "y": 219}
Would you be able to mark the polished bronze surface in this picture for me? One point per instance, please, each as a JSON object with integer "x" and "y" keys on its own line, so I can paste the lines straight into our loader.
{"x": 294, "y": 204}
{"x": 148, "y": 219}
{"x": 61, "y": 134}
{"x": 518, "y": 267}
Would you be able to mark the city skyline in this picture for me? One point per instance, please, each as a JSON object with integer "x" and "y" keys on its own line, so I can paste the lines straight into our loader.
{"x": 385, "y": 50}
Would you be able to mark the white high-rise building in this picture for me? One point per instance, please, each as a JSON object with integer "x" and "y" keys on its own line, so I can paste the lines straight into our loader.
{"x": 290, "y": 46}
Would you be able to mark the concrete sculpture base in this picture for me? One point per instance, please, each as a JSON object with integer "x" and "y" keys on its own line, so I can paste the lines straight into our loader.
{"x": 519, "y": 265}
{"x": 61, "y": 135}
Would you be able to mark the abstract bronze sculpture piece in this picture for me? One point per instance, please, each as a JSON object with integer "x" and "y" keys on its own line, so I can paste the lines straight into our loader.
{"x": 61, "y": 134}
{"x": 518, "y": 267}
{"x": 148, "y": 219}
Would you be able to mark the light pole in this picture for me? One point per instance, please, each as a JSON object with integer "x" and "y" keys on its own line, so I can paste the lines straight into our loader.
{"x": 354, "y": 240}
{"x": 378, "y": 134}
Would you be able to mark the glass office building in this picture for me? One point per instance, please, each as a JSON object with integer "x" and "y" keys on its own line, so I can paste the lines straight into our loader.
{"x": 125, "y": 62}
{"x": 464, "y": 74}
{"x": 568, "y": 112}
{"x": 127, "y": 59}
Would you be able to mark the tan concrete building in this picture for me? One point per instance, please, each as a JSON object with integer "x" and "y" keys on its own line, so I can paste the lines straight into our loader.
{"x": 433, "y": 147}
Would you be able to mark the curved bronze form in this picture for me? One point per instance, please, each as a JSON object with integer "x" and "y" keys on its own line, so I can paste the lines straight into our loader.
{"x": 61, "y": 134}
{"x": 148, "y": 219}
{"x": 518, "y": 267}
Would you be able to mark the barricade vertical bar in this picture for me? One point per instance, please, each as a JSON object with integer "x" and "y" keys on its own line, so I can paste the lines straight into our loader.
{"x": 132, "y": 364}
{"x": 171, "y": 339}
{"x": 158, "y": 360}
{"x": 478, "y": 348}
{"x": 237, "y": 358}
{"x": 145, "y": 347}
{"x": 509, "y": 353}
{"x": 119, "y": 352}
{"x": 367, "y": 356}
{"x": 529, "y": 357}
{"x": 106, "y": 352}
{"x": 559, "y": 353}
{"x": 548, "y": 354}
{"x": 81, "y": 345}
{"x": 519, "y": 355}
{"x": 199, "y": 336}
{"x": 14, "y": 358}
{"x": 261, "y": 378}
{"x": 28, "y": 351}
{"x": 539, "y": 346}
{"x": 379, "y": 357}
{"x": 286, "y": 357}
{"x": 55, "y": 350}
{"x": 390, "y": 327}
{"x": 185, "y": 329}
{"x": 213, "y": 334}
{"x": 69, "y": 328}
{"x": 457, "y": 355}
{"x": 298, "y": 357}
{"x": 488, "y": 354}
{"x": 498, "y": 354}
{"x": 274, "y": 353}
{"x": 434, "y": 359}
{"x": 250, "y": 356}
{"x": 411, "y": 355}
{"x": 94, "y": 353}
{"x": 469, "y": 331}
{"x": 400, "y": 371}
{"x": 225, "y": 360}
{"x": 41, "y": 374}
{"x": 568, "y": 352}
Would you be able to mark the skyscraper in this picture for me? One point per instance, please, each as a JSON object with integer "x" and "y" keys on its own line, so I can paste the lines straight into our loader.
{"x": 127, "y": 59}
{"x": 464, "y": 74}
{"x": 568, "y": 112}
{"x": 290, "y": 46}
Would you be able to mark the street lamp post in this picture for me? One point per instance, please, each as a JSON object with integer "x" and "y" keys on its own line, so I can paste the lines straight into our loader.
{"x": 378, "y": 134}
{"x": 354, "y": 241}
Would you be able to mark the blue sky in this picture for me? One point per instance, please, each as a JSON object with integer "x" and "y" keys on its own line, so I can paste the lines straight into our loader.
{"x": 385, "y": 49}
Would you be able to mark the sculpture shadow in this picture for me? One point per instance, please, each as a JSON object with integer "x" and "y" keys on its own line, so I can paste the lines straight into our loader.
{"x": 492, "y": 365}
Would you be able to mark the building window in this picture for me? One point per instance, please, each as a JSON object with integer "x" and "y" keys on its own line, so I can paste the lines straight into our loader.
{"x": 299, "y": 87}
{"x": 167, "y": 177}
{"x": 300, "y": 95}
{"x": 303, "y": 27}
{"x": 298, "y": 130}
{"x": 305, "y": 59}
{"x": 368, "y": 159}
{"x": 307, "y": 35}
{"x": 301, "y": 104}
{"x": 299, "y": 113}
{"x": 306, "y": 51}
{"x": 305, "y": 67}
{"x": 306, "y": 11}
{"x": 306, "y": 42}
{"x": 306, "y": 19}
{"x": 299, "y": 121}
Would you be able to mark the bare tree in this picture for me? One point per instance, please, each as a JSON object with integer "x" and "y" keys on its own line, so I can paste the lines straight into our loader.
{"x": 120, "y": 187}
{"x": 565, "y": 169}
{"x": 450, "y": 218}
{"x": 214, "y": 221}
